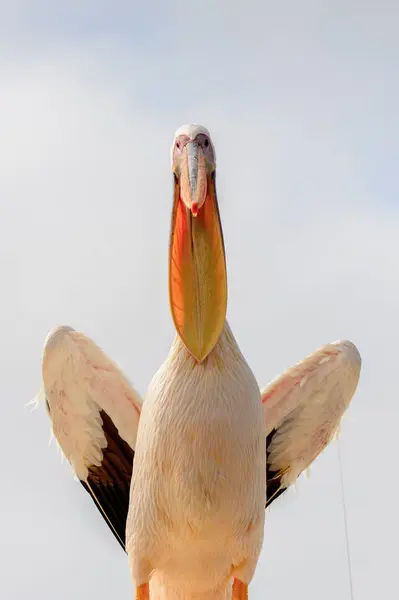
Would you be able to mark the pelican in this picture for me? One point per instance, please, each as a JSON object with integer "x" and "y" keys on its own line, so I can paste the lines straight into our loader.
{"x": 183, "y": 478}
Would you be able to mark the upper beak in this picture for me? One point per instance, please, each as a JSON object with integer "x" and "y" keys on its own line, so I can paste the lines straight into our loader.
{"x": 193, "y": 177}
{"x": 197, "y": 266}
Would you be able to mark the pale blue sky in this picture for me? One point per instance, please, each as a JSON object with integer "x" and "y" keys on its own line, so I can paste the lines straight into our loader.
{"x": 301, "y": 100}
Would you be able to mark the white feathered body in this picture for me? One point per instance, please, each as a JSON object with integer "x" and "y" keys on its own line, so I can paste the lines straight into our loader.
{"x": 197, "y": 498}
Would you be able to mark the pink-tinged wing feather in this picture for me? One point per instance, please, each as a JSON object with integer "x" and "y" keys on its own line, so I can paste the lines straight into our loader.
{"x": 95, "y": 415}
{"x": 303, "y": 408}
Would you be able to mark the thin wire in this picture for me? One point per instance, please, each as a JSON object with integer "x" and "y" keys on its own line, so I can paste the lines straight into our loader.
{"x": 348, "y": 552}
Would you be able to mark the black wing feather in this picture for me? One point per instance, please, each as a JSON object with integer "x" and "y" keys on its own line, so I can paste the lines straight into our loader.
{"x": 109, "y": 484}
{"x": 273, "y": 478}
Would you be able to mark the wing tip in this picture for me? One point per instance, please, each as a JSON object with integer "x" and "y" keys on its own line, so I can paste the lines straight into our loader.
{"x": 55, "y": 334}
{"x": 54, "y": 337}
{"x": 350, "y": 352}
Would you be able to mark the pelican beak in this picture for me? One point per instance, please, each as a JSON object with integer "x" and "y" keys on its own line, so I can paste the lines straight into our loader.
{"x": 197, "y": 266}
{"x": 193, "y": 178}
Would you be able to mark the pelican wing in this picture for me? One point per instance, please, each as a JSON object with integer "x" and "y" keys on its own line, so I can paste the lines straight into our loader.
{"x": 95, "y": 414}
{"x": 303, "y": 408}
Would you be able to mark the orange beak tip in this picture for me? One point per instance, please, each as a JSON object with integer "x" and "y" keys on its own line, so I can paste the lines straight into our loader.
{"x": 194, "y": 209}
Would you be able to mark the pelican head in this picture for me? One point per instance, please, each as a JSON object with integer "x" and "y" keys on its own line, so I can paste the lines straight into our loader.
{"x": 197, "y": 266}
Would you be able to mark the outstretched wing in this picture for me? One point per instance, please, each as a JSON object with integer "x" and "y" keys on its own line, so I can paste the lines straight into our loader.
{"x": 95, "y": 414}
{"x": 303, "y": 408}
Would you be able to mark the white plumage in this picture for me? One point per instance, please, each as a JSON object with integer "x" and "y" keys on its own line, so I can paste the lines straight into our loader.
{"x": 197, "y": 500}
{"x": 206, "y": 442}
{"x": 80, "y": 381}
{"x": 305, "y": 406}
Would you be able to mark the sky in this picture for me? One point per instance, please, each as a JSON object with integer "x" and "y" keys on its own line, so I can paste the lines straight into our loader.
{"x": 301, "y": 100}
